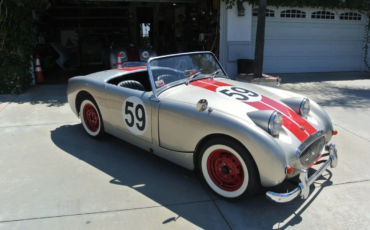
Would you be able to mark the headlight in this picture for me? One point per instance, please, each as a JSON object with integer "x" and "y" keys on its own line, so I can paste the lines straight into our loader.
{"x": 275, "y": 123}
{"x": 123, "y": 55}
{"x": 304, "y": 108}
{"x": 145, "y": 54}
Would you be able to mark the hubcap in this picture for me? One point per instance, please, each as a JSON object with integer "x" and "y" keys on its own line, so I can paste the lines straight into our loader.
{"x": 91, "y": 117}
{"x": 225, "y": 170}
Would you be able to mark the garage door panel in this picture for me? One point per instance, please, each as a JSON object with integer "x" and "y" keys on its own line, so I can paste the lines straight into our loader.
{"x": 319, "y": 64}
{"x": 309, "y": 45}
{"x": 291, "y": 48}
{"x": 321, "y": 32}
{"x": 292, "y": 31}
{"x": 347, "y": 64}
{"x": 349, "y": 32}
{"x": 284, "y": 48}
{"x": 348, "y": 48}
{"x": 268, "y": 64}
{"x": 270, "y": 49}
{"x": 289, "y": 64}
{"x": 319, "y": 48}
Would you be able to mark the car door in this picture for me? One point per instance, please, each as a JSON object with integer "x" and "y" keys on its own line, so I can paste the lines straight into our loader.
{"x": 130, "y": 111}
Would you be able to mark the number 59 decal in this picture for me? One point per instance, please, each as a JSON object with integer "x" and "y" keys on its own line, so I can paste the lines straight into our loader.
{"x": 237, "y": 93}
{"x": 134, "y": 115}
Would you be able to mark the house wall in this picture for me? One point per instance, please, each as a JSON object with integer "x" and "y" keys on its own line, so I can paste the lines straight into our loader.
{"x": 235, "y": 34}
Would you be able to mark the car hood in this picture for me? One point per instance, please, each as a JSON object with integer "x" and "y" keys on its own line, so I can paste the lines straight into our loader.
{"x": 224, "y": 95}
{"x": 210, "y": 90}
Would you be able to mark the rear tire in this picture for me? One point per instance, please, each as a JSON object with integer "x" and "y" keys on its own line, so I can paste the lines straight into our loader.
{"x": 91, "y": 118}
{"x": 228, "y": 169}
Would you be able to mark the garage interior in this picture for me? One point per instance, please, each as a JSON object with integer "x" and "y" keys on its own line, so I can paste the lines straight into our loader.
{"x": 83, "y": 33}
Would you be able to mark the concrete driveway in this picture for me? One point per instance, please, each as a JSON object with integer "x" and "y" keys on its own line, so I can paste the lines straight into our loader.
{"x": 53, "y": 176}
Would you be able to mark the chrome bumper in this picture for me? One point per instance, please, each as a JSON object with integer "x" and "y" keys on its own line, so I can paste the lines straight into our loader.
{"x": 303, "y": 188}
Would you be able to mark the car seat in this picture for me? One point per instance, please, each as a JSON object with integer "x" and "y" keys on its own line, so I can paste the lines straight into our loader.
{"x": 132, "y": 85}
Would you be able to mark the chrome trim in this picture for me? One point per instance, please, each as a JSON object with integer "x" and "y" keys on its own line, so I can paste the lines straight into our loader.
{"x": 333, "y": 152}
{"x": 157, "y": 92}
{"x": 151, "y": 77}
{"x": 202, "y": 105}
{"x": 303, "y": 188}
{"x": 306, "y": 143}
{"x": 154, "y": 98}
{"x": 271, "y": 121}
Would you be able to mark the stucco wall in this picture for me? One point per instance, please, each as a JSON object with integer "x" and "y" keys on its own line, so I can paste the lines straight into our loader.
{"x": 236, "y": 32}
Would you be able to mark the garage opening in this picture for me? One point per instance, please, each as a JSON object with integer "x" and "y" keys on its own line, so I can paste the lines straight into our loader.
{"x": 78, "y": 38}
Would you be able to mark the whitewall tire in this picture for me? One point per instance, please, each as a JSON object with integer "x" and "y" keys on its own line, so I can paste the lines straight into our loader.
{"x": 91, "y": 118}
{"x": 228, "y": 169}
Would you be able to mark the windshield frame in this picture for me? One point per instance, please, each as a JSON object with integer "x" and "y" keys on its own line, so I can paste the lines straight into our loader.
{"x": 157, "y": 92}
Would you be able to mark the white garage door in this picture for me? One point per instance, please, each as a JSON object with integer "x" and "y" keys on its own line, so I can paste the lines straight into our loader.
{"x": 312, "y": 40}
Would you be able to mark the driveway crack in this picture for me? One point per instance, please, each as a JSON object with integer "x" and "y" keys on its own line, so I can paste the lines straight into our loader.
{"x": 352, "y": 132}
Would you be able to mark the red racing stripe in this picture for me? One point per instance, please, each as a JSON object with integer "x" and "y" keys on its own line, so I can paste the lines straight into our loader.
{"x": 204, "y": 85}
{"x": 289, "y": 112}
{"x": 291, "y": 120}
{"x": 210, "y": 81}
{"x": 133, "y": 68}
{"x": 288, "y": 123}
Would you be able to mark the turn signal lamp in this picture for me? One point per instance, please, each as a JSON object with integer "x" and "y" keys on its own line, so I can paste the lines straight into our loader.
{"x": 335, "y": 132}
{"x": 289, "y": 170}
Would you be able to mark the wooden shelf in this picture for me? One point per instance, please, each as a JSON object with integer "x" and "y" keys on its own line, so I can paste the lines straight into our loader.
{"x": 108, "y": 33}
{"x": 89, "y": 7}
{"x": 92, "y": 28}
{"x": 71, "y": 18}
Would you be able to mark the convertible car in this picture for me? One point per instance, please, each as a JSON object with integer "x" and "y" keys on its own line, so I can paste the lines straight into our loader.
{"x": 184, "y": 108}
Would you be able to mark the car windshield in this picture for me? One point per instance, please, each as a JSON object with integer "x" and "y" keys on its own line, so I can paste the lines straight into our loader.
{"x": 184, "y": 68}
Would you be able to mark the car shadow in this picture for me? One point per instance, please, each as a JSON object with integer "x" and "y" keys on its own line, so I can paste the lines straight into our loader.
{"x": 170, "y": 185}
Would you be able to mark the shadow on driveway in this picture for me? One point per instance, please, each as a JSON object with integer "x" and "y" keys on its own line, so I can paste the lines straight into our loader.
{"x": 170, "y": 185}
{"x": 320, "y": 77}
{"x": 333, "y": 95}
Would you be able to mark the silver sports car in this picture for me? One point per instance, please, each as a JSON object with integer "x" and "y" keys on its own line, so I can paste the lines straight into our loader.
{"x": 183, "y": 107}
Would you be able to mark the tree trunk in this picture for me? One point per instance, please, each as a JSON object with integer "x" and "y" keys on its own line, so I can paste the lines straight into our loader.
{"x": 260, "y": 39}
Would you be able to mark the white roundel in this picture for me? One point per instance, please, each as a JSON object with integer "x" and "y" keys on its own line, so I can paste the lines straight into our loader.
{"x": 238, "y": 93}
{"x": 134, "y": 115}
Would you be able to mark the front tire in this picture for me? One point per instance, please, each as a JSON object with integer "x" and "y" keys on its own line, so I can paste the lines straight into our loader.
{"x": 91, "y": 118}
{"x": 228, "y": 169}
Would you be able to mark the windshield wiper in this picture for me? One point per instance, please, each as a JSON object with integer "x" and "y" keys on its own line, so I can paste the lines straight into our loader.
{"x": 214, "y": 74}
{"x": 191, "y": 77}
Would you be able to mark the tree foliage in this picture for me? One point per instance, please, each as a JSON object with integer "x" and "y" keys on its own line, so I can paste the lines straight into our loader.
{"x": 17, "y": 43}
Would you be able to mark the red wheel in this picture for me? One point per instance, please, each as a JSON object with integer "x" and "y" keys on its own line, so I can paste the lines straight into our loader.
{"x": 91, "y": 118}
{"x": 228, "y": 169}
{"x": 225, "y": 169}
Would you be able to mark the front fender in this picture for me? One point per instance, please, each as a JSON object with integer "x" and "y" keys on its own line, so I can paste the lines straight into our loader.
{"x": 182, "y": 126}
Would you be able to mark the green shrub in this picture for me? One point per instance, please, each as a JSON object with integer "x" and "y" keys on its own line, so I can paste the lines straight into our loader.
{"x": 17, "y": 43}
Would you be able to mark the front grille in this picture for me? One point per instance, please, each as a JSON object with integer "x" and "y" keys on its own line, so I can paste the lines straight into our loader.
{"x": 311, "y": 153}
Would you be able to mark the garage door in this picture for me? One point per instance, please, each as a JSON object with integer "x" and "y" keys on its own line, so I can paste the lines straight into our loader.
{"x": 311, "y": 40}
